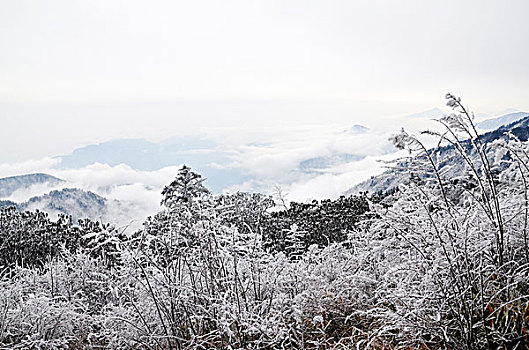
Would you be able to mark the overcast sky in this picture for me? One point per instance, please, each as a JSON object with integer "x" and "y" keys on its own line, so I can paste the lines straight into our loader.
{"x": 74, "y": 72}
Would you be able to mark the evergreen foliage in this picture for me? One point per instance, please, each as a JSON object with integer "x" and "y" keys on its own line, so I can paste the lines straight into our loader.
{"x": 321, "y": 223}
{"x": 31, "y": 239}
{"x": 186, "y": 187}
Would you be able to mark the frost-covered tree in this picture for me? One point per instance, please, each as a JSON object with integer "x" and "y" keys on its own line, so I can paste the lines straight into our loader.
{"x": 31, "y": 239}
{"x": 319, "y": 222}
{"x": 457, "y": 272}
{"x": 186, "y": 187}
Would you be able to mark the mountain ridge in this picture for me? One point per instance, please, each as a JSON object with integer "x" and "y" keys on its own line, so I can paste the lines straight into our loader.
{"x": 390, "y": 179}
{"x": 9, "y": 185}
{"x": 502, "y": 120}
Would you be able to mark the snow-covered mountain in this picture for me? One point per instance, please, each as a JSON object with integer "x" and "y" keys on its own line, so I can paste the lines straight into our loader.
{"x": 79, "y": 203}
{"x": 356, "y": 129}
{"x": 494, "y": 123}
{"x": 10, "y": 185}
{"x": 72, "y": 201}
{"x": 6, "y": 203}
{"x": 450, "y": 165}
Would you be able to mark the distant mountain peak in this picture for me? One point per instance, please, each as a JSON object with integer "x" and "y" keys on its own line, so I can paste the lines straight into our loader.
{"x": 8, "y": 185}
{"x": 71, "y": 201}
{"x": 324, "y": 162}
{"x": 34, "y": 176}
{"x": 356, "y": 129}
{"x": 140, "y": 154}
{"x": 390, "y": 179}
{"x": 433, "y": 113}
{"x": 505, "y": 119}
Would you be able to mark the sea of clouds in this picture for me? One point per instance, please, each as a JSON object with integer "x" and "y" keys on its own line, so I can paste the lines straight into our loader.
{"x": 269, "y": 157}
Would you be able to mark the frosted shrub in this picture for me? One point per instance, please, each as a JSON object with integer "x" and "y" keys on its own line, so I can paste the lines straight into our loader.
{"x": 57, "y": 309}
{"x": 459, "y": 279}
{"x": 225, "y": 290}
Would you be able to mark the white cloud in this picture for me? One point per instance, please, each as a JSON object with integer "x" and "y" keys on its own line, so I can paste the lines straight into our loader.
{"x": 23, "y": 194}
{"x": 330, "y": 183}
{"x": 27, "y": 167}
{"x": 98, "y": 176}
{"x": 139, "y": 192}
{"x": 338, "y": 180}
{"x": 277, "y": 160}
{"x": 272, "y": 160}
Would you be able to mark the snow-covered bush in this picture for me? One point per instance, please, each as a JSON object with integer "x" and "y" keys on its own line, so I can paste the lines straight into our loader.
{"x": 460, "y": 265}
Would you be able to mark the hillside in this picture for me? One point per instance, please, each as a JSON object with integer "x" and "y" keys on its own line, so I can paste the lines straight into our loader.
{"x": 70, "y": 201}
{"x": 494, "y": 123}
{"x": 8, "y": 185}
{"x": 445, "y": 157}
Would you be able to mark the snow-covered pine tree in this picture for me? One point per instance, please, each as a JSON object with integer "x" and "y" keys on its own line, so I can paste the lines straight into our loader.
{"x": 186, "y": 187}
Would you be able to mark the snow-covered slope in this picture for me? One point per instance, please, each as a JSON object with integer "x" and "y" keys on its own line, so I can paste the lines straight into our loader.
{"x": 9, "y": 185}
{"x": 78, "y": 203}
{"x": 494, "y": 123}
{"x": 72, "y": 201}
{"x": 445, "y": 157}
{"x": 434, "y": 113}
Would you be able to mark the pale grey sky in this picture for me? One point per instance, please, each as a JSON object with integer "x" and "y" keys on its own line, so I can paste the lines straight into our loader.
{"x": 74, "y": 72}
